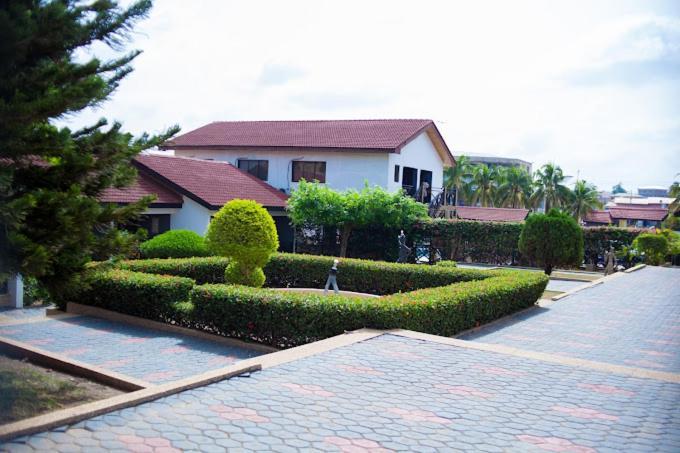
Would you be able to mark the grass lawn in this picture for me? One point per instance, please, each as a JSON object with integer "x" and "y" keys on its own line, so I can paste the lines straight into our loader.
{"x": 27, "y": 390}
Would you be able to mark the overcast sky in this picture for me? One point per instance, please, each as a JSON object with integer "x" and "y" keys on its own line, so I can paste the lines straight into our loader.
{"x": 593, "y": 86}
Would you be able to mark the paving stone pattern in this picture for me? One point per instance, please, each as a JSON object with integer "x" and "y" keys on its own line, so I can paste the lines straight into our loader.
{"x": 394, "y": 394}
{"x": 631, "y": 320}
{"x": 13, "y": 314}
{"x": 151, "y": 355}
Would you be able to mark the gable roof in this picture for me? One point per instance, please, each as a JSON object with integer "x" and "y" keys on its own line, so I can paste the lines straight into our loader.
{"x": 209, "y": 183}
{"x": 597, "y": 216}
{"x": 491, "y": 214}
{"x": 330, "y": 135}
{"x": 144, "y": 185}
{"x": 638, "y": 213}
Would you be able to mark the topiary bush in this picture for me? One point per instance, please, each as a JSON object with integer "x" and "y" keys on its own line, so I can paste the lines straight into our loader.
{"x": 553, "y": 239}
{"x": 653, "y": 246}
{"x": 245, "y": 232}
{"x": 174, "y": 244}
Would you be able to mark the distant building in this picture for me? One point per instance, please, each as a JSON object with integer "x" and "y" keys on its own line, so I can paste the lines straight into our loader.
{"x": 653, "y": 191}
{"x": 495, "y": 161}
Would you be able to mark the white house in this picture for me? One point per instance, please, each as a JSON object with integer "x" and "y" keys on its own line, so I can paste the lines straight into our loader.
{"x": 343, "y": 154}
{"x": 189, "y": 192}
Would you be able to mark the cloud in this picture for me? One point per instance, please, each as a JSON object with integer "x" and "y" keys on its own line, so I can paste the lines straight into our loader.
{"x": 333, "y": 99}
{"x": 279, "y": 74}
{"x": 644, "y": 52}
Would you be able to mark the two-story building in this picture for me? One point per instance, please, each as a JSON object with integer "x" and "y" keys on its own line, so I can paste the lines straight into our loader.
{"x": 402, "y": 153}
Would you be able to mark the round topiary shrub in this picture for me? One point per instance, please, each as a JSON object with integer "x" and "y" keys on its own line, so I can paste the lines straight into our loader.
{"x": 245, "y": 232}
{"x": 552, "y": 239}
{"x": 653, "y": 246}
{"x": 174, "y": 244}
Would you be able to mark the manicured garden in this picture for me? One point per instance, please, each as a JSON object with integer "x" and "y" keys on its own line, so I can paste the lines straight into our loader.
{"x": 191, "y": 292}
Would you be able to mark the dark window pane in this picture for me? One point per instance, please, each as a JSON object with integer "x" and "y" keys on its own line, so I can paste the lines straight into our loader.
{"x": 309, "y": 171}
{"x": 396, "y": 173}
{"x": 258, "y": 168}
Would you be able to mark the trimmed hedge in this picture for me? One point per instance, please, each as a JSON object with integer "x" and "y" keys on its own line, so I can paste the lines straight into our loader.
{"x": 174, "y": 244}
{"x": 286, "y": 270}
{"x": 290, "y": 319}
{"x": 136, "y": 293}
{"x": 202, "y": 269}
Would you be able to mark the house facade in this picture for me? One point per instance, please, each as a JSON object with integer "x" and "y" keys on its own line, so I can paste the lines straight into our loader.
{"x": 344, "y": 154}
{"x": 190, "y": 191}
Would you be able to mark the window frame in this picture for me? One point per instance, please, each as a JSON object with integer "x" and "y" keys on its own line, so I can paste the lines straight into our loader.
{"x": 318, "y": 168}
{"x": 260, "y": 164}
{"x": 397, "y": 173}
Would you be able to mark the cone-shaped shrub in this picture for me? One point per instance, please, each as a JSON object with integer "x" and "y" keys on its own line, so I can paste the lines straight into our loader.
{"x": 245, "y": 232}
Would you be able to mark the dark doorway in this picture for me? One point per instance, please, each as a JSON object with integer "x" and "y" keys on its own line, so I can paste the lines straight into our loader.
{"x": 285, "y": 232}
{"x": 409, "y": 181}
{"x": 425, "y": 189}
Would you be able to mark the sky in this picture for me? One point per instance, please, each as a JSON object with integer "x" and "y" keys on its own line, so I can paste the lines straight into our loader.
{"x": 593, "y": 86}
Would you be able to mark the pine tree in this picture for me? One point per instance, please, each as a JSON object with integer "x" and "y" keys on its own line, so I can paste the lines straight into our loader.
{"x": 51, "y": 223}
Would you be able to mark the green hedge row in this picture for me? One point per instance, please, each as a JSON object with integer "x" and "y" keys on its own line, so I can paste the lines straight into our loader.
{"x": 290, "y": 319}
{"x": 136, "y": 293}
{"x": 286, "y": 270}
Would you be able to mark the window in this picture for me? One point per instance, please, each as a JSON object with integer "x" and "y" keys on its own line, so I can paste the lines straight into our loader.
{"x": 309, "y": 171}
{"x": 396, "y": 173}
{"x": 155, "y": 225}
{"x": 257, "y": 168}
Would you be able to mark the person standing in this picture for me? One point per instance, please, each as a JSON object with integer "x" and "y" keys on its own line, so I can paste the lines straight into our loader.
{"x": 332, "y": 278}
{"x": 609, "y": 261}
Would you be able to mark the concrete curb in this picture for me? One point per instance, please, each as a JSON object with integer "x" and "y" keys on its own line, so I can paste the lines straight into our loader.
{"x": 73, "y": 415}
{"x": 63, "y": 363}
{"x": 79, "y": 309}
{"x": 635, "y": 268}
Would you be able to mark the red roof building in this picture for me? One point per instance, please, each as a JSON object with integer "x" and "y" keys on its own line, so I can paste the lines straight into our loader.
{"x": 597, "y": 217}
{"x": 491, "y": 214}
{"x": 638, "y": 217}
{"x": 189, "y": 191}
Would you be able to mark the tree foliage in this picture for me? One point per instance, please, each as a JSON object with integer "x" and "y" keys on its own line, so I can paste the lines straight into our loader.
{"x": 584, "y": 199}
{"x": 314, "y": 204}
{"x": 550, "y": 240}
{"x": 245, "y": 232}
{"x": 549, "y": 187}
{"x": 51, "y": 223}
{"x": 618, "y": 188}
{"x": 654, "y": 247}
{"x": 514, "y": 187}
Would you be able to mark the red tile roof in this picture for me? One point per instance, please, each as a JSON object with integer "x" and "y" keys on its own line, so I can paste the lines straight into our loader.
{"x": 638, "y": 213}
{"x": 491, "y": 214}
{"x": 210, "y": 183}
{"x": 378, "y": 135}
{"x": 597, "y": 216}
{"x": 638, "y": 206}
{"x": 144, "y": 185}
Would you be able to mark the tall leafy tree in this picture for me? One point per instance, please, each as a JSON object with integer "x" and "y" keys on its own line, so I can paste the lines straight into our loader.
{"x": 514, "y": 188}
{"x": 314, "y": 204}
{"x": 549, "y": 187}
{"x": 618, "y": 188}
{"x": 584, "y": 199}
{"x": 51, "y": 223}
{"x": 456, "y": 177}
{"x": 484, "y": 181}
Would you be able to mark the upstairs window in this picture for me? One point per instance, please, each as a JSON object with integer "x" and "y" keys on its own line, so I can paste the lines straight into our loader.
{"x": 309, "y": 171}
{"x": 257, "y": 168}
{"x": 396, "y": 173}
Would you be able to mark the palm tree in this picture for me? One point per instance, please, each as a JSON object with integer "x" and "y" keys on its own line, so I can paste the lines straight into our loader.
{"x": 584, "y": 199}
{"x": 549, "y": 187}
{"x": 484, "y": 180}
{"x": 674, "y": 192}
{"x": 456, "y": 177}
{"x": 514, "y": 187}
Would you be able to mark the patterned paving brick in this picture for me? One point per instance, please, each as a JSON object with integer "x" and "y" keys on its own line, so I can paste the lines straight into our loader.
{"x": 445, "y": 400}
{"x": 632, "y": 320}
{"x": 151, "y": 355}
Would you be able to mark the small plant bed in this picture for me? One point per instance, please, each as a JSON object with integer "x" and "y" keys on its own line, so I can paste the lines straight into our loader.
{"x": 441, "y": 300}
{"x": 27, "y": 390}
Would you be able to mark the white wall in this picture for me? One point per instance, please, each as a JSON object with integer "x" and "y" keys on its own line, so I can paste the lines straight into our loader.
{"x": 192, "y": 217}
{"x": 420, "y": 153}
{"x": 343, "y": 169}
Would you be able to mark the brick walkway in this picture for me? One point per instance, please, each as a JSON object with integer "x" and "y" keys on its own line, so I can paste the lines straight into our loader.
{"x": 632, "y": 320}
{"x": 150, "y": 355}
{"x": 392, "y": 393}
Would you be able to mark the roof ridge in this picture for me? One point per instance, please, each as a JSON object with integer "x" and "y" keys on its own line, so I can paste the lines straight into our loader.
{"x": 186, "y": 158}
{"x": 322, "y": 121}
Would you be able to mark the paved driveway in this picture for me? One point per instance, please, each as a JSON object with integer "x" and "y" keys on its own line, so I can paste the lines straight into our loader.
{"x": 393, "y": 393}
